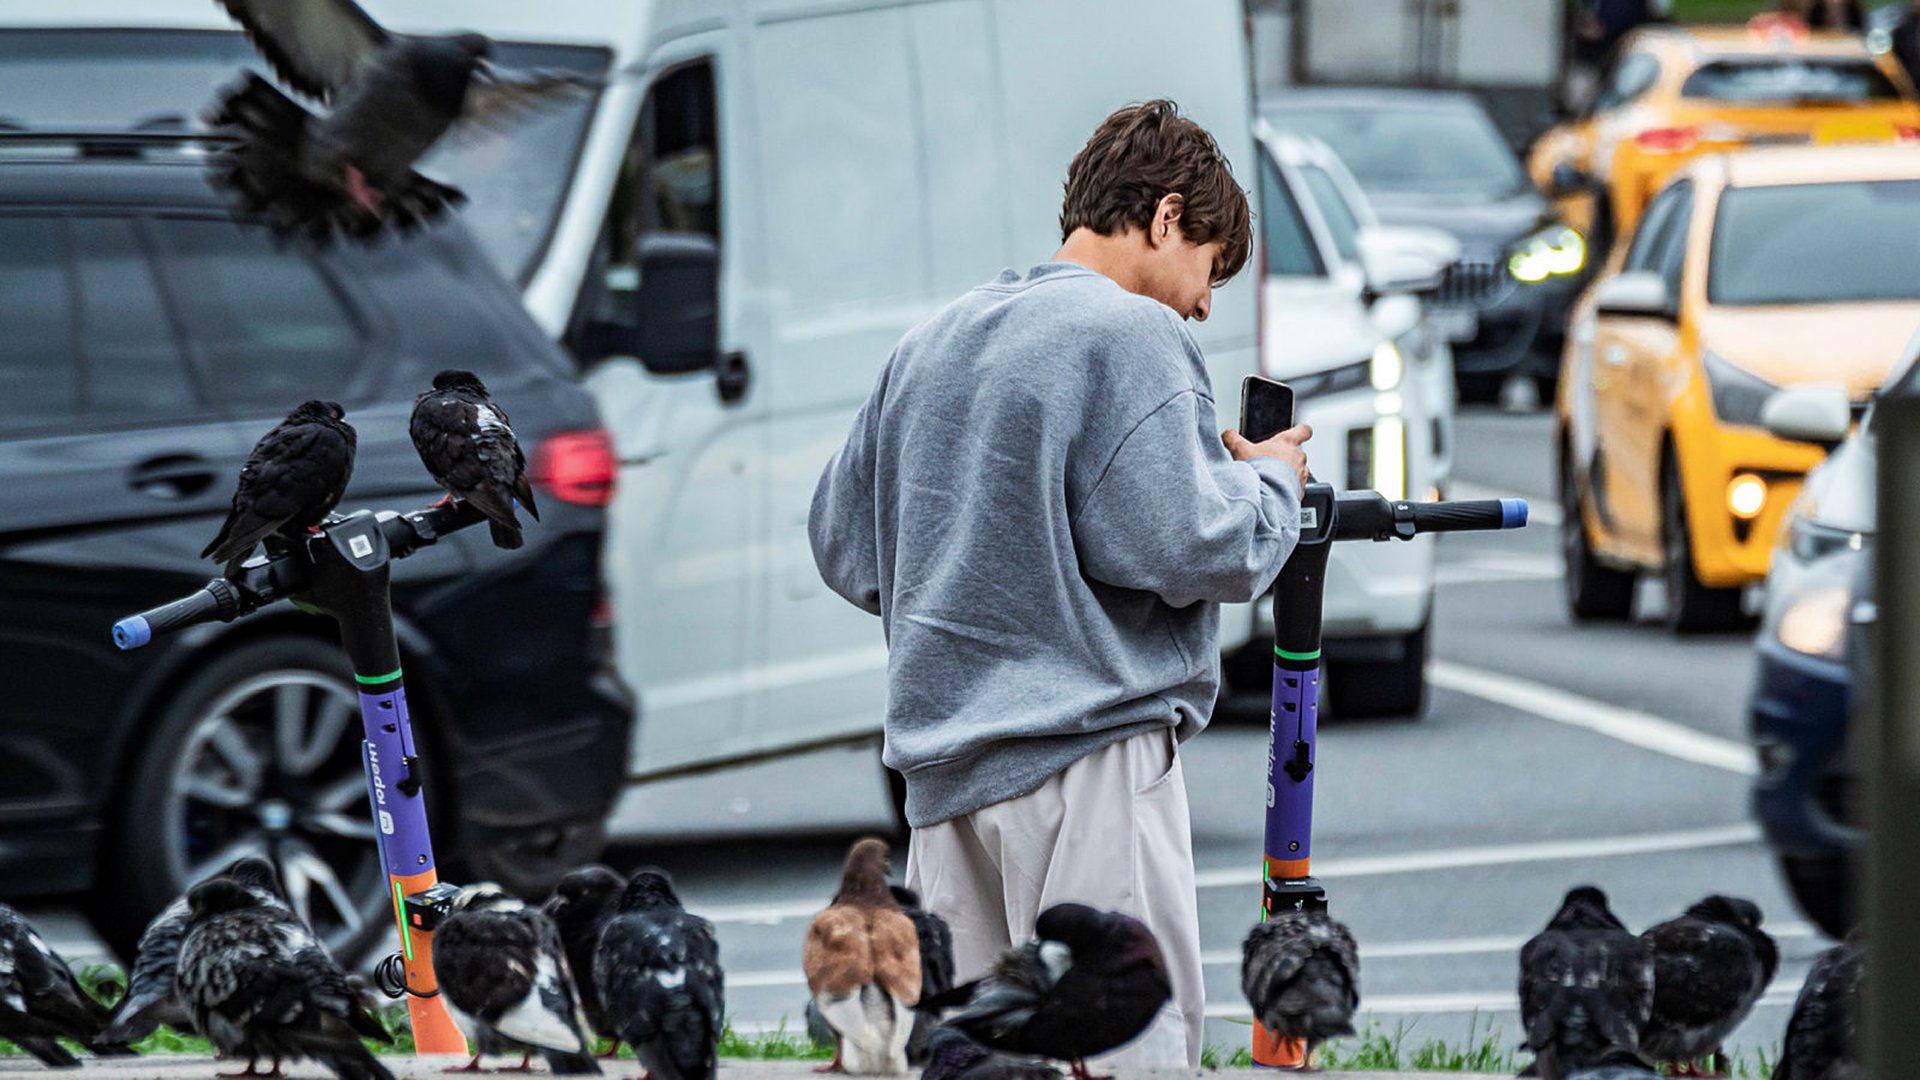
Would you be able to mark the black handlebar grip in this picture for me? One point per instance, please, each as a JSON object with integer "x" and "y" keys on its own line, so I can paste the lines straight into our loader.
{"x": 1469, "y": 514}
{"x": 217, "y": 600}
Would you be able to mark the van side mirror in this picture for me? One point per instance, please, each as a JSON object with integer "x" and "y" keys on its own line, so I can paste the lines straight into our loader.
{"x": 671, "y": 320}
{"x": 1820, "y": 414}
{"x": 1638, "y": 293}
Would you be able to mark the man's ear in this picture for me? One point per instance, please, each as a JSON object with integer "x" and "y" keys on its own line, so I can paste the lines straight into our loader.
{"x": 1166, "y": 218}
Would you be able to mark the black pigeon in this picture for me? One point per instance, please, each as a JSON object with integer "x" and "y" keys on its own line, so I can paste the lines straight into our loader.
{"x": 290, "y": 483}
{"x": 504, "y": 976}
{"x": 467, "y": 445}
{"x": 1091, "y": 982}
{"x": 1300, "y": 971}
{"x": 40, "y": 1000}
{"x": 659, "y": 973}
{"x": 257, "y": 983}
{"x": 1821, "y": 1036}
{"x": 936, "y": 976}
{"x": 953, "y": 1056}
{"x": 1586, "y": 987}
{"x": 1622, "y": 1066}
{"x": 391, "y": 97}
{"x": 1709, "y": 966}
{"x": 151, "y": 998}
{"x": 582, "y": 903}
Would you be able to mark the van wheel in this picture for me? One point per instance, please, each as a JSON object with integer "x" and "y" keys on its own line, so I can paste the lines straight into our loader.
{"x": 1823, "y": 890}
{"x": 1692, "y": 607}
{"x": 1594, "y": 592}
{"x": 1379, "y": 689}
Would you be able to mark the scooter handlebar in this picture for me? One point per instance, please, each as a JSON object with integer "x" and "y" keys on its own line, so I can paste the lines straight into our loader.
{"x": 1469, "y": 514}
{"x": 1369, "y": 516}
{"x": 217, "y": 600}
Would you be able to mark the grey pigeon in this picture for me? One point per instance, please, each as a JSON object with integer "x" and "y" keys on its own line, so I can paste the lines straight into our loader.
{"x": 468, "y": 447}
{"x": 151, "y": 999}
{"x": 290, "y": 483}
{"x": 1821, "y": 1036}
{"x": 581, "y": 905}
{"x": 390, "y": 98}
{"x": 1586, "y": 987}
{"x": 257, "y": 983}
{"x": 660, "y": 979}
{"x": 1709, "y": 966}
{"x": 504, "y": 976}
{"x": 953, "y": 1056}
{"x": 40, "y": 1000}
{"x": 1300, "y": 971}
{"x": 1626, "y": 1067}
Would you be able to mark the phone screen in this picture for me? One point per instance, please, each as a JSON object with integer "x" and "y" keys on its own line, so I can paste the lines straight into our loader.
{"x": 1266, "y": 408}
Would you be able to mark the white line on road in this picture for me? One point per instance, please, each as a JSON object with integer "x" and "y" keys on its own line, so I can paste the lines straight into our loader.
{"x": 1644, "y": 730}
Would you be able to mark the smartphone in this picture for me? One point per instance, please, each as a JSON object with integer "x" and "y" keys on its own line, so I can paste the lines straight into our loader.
{"x": 1266, "y": 408}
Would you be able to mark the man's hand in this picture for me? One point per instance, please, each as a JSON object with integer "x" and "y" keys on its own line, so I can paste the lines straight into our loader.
{"x": 1284, "y": 446}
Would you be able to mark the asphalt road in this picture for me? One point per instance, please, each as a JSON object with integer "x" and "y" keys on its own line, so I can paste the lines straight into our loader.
{"x": 1550, "y": 755}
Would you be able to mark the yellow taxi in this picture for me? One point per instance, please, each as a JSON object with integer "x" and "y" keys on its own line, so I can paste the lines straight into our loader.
{"x": 1672, "y": 94}
{"x": 1749, "y": 272}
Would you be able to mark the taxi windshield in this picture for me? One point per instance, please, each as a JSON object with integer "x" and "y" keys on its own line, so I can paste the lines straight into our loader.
{"x": 1816, "y": 244}
{"x": 1790, "y": 80}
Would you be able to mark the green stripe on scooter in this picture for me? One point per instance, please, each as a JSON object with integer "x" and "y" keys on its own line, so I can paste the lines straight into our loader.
{"x": 1295, "y": 656}
{"x": 376, "y": 680}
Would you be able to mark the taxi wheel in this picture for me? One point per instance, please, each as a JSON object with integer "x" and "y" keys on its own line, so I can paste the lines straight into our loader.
{"x": 1594, "y": 592}
{"x": 1692, "y": 607}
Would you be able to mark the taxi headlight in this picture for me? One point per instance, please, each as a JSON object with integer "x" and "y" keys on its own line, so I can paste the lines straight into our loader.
{"x": 1552, "y": 252}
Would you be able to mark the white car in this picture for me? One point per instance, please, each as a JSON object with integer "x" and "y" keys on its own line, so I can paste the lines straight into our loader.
{"x": 1342, "y": 324}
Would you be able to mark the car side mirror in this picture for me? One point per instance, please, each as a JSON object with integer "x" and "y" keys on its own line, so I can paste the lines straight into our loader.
{"x": 1568, "y": 179}
{"x": 670, "y": 318}
{"x": 1638, "y": 293}
{"x": 1405, "y": 260}
{"x": 1820, "y": 414}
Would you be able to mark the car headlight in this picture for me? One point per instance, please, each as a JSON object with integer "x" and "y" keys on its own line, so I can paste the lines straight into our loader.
{"x": 1815, "y": 622}
{"x": 1808, "y": 540}
{"x": 1554, "y": 251}
{"x": 1738, "y": 396}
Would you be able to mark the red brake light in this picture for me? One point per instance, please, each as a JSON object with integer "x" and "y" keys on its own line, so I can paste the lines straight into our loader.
{"x": 1667, "y": 140}
{"x": 576, "y": 467}
{"x": 1904, "y": 134}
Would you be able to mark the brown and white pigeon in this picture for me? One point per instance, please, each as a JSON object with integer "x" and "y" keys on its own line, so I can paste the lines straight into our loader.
{"x": 390, "y": 98}
{"x": 582, "y": 904}
{"x": 1091, "y": 982}
{"x": 1822, "y": 1034}
{"x": 468, "y": 447}
{"x": 659, "y": 973}
{"x": 862, "y": 962}
{"x": 290, "y": 483}
{"x": 40, "y": 1000}
{"x": 936, "y": 976}
{"x": 1300, "y": 971}
{"x": 504, "y": 976}
{"x": 1586, "y": 987}
{"x": 1709, "y": 966}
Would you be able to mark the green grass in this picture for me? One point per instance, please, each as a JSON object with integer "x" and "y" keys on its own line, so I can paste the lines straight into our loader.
{"x": 1719, "y": 11}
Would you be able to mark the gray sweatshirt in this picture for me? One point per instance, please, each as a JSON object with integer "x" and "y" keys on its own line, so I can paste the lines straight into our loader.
{"x": 1036, "y": 503}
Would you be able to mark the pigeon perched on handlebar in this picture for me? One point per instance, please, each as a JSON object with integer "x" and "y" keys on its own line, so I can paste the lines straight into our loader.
{"x": 290, "y": 483}
{"x": 467, "y": 445}
{"x": 504, "y": 976}
{"x": 40, "y": 1000}
{"x": 1091, "y": 982}
{"x": 659, "y": 976}
{"x": 1300, "y": 971}
{"x": 1586, "y": 987}
{"x": 582, "y": 904}
{"x": 862, "y": 963}
{"x": 259, "y": 984}
{"x": 1709, "y": 967}
{"x": 391, "y": 97}
{"x": 151, "y": 998}
{"x": 1821, "y": 1035}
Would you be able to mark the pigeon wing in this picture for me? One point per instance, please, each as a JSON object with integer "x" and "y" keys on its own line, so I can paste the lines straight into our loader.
{"x": 315, "y": 46}
{"x": 837, "y": 957}
{"x": 936, "y": 952}
{"x": 497, "y": 99}
{"x": 1703, "y": 972}
{"x": 896, "y": 954}
{"x": 150, "y": 999}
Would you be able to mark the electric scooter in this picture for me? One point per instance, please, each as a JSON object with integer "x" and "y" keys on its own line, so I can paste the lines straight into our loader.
{"x": 342, "y": 570}
{"x": 1294, "y": 722}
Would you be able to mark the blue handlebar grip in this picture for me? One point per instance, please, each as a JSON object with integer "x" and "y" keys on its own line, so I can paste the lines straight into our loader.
{"x": 1513, "y": 513}
{"x": 132, "y": 632}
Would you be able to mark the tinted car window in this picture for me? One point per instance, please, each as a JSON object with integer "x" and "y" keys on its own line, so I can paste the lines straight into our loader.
{"x": 38, "y": 376}
{"x": 1333, "y": 207}
{"x": 1430, "y": 151}
{"x": 1790, "y": 81}
{"x": 1629, "y": 79}
{"x": 1817, "y": 243}
{"x": 131, "y": 365}
{"x": 1290, "y": 249}
{"x": 265, "y": 325}
{"x": 1650, "y": 238}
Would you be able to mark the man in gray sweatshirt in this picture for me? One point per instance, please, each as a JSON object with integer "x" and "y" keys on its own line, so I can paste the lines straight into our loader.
{"x": 1040, "y": 505}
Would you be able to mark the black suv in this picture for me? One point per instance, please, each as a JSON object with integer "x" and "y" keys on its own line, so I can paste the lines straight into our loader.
{"x": 147, "y": 338}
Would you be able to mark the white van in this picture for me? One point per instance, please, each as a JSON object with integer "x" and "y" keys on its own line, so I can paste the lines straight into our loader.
{"x": 731, "y": 237}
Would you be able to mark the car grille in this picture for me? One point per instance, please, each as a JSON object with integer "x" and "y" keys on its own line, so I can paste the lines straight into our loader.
{"x": 1474, "y": 282}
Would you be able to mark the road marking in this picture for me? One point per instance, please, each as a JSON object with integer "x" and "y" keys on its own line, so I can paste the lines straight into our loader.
{"x": 1539, "y": 511}
{"x": 1644, "y": 730}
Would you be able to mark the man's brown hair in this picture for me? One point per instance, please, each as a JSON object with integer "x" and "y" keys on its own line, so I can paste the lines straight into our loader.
{"x": 1144, "y": 153}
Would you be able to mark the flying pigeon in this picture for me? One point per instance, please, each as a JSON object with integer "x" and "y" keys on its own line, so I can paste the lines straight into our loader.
{"x": 151, "y": 999}
{"x": 257, "y": 983}
{"x": 468, "y": 447}
{"x": 936, "y": 975}
{"x": 581, "y": 905}
{"x": 862, "y": 962}
{"x": 391, "y": 97}
{"x": 292, "y": 480}
{"x": 660, "y": 979}
{"x": 1586, "y": 987}
{"x": 1821, "y": 1035}
{"x": 504, "y": 976}
{"x": 1300, "y": 971}
{"x": 1091, "y": 982}
{"x": 1709, "y": 966}
{"x": 40, "y": 1000}
{"x": 953, "y": 1056}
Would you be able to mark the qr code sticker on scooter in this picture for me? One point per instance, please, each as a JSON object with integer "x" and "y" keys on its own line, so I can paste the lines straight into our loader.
{"x": 1309, "y": 518}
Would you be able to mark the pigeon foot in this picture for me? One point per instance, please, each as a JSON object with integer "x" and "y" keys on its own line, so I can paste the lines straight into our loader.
{"x": 470, "y": 1067}
{"x": 440, "y": 503}
{"x": 1079, "y": 1072}
{"x": 525, "y": 1066}
{"x": 363, "y": 193}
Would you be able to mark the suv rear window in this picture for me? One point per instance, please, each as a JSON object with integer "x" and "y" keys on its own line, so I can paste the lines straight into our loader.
{"x": 1793, "y": 80}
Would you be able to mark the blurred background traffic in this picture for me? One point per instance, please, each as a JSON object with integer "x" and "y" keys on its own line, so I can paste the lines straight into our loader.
{"x": 1643, "y": 263}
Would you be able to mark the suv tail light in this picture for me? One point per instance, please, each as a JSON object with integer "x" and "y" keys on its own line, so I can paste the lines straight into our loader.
{"x": 1668, "y": 140}
{"x": 576, "y": 467}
